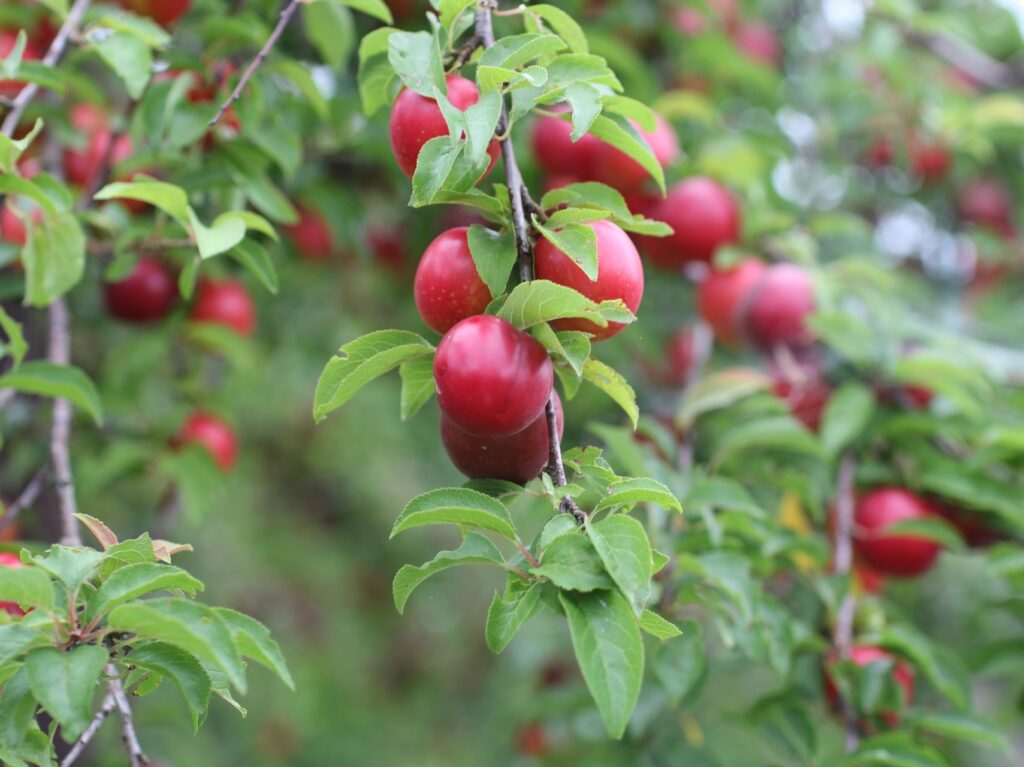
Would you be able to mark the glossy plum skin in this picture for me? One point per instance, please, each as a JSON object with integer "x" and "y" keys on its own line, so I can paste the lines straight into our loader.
{"x": 416, "y": 119}
{"x": 145, "y": 295}
{"x": 163, "y": 12}
{"x": 10, "y": 559}
{"x": 224, "y": 302}
{"x": 722, "y": 295}
{"x": 310, "y": 235}
{"x": 447, "y": 287}
{"x": 210, "y": 432}
{"x": 518, "y": 457}
{"x": 620, "y": 275}
{"x": 778, "y": 307}
{"x": 83, "y": 165}
{"x": 703, "y": 215}
{"x": 617, "y": 169}
{"x": 558, "y": 154}
{"x": 901, "y": 556}
{"x": 864, "y": 655}
{"x": 492, "y": 379}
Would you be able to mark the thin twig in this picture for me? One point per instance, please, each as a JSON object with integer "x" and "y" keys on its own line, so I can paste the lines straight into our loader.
{"x": 60, "y": 354}
{"x": 282, "y": 22}
{"x": 521, "y": 200}
{"x": 57, "y": 47}
{"x": 83, "y": 740}
{"x": 842, "y": 564}
{"x": 976, "y": 64}
{"x": 131, "y": 740}
{"x": 27, "y": 498}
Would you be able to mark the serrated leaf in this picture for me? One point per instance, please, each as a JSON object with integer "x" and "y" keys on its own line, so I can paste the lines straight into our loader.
{"x": 102, "y": 533}
{"x": 362, "y": 360}
{"x": 417, "y": 384}
{"x": 226, "y": 231}
{"x": 456, "y": 506}
{"x": 614, "y": 385}
{"x": 252, "y": 640}
{"x": 609, "y": 649}
{"x": 376, "y": 8}
{"x": 494, "y": 255}
{"x": 577, "y": 241}
{"x": 16, "y": 638}
{"x": 188, "y": 625}
{"x": 71, "y": 565}
{"x": 64, "y": 381}
{"x": 133, "y": 581}
{"x": 658, "y": 627}
{"x": 481, "y": 122}
{"x": 509, "y": 612}
{"x": 932, "y": 528}
{"x": 515, "y": 51}
{"x": 63, "y": 682}
{"x": 434, "y": 164}
{"x": 571, "y": 562}
{"x": 17, "y": 709}
{"x": 450, "y": 10}
{"x": 417, "y": 61}
{"x": 847, "y": 414}
{"x": 475, "y": 549}
{"x": 629, "y": 491}
{"x": 621, "y": 543}
{"x": 169, "y": 198}
{"x": 571, "y": 345}
{"x": 585, "y": 100}
{"x": 129, "y": 58}
{"x": 531, "y": 303}
{"x": 256, "y": 258}
{"x": 53, "y": 257}
{"x": 562, "y": 24}
{"x": 182, "y": 668}
{"x": 624, "y": 137}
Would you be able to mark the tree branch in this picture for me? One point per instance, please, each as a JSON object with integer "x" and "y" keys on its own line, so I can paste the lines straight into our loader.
{"x": 60, "y": 435}
{"x": 842, "y": 564}
{"x": 521, "y": 201}
{"x": 76, "y": 750}
{"x": 131, "y": 740}
{"x": 26, "y": 499}
{"x": 53, "y": 55}
{"x": 976, "y": 64}
{"x": 282, "y": 22}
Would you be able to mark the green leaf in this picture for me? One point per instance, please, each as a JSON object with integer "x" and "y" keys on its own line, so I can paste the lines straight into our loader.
{"x": 362, "y": 360}
{"x": 133, "y": 581}
{"x": 15, "y": 346}
{"x": 378, "y": 83}
{"x": 481, "y": 121}
{"x": 571, "y": 562}
{"x": 510, "y": 611}
{"x": 434, "y": 165}
{"x": 657, "y": 626}
{"x": 566, "y": 216}
{"x": 11, "y": 149}
{"x": 494, "y": 255}
{"x": 16, "y": 638}
{"x": 130, "y": 552}
{"x": 680, "y": 666}
{"x": 585, "y": 100}
{"x": 456, "y": 506}
{"x": 847, "y": 414}
{"x": 625, "y": 551}
{"x": 450, "y": 10}
{"x": 515, "y": 51}
{"x": 630, "y": 491}
{"x": 11, "y": 62}
{"x": 417, "y": 385}
{"x": 169, "y": 198}
{"x": 531, "y": 303}
{"x": 577, "y": 241}
{"x": 614, "y": 385}
{"x": 191, "y": 626}
{"x": 256, "y": 258}
{"x": 610, "y": 652}
{"x": 721, "y": 493}
{"x": 960, "y": 726}
{"x": 719, "y": 390}
{"x": 64, "y": 682}
{"x": 129, "y": 58}
{"x": 226, "y": 231}
{"x": 147, "y": 30}
{"x": 571, "y": 345}
{"x": 475, "y": 549}
{"x": 562, "y": 24}
{"x": 624, "y": 137}
{"x": 943, "y": 669}
{"x": 932, "y": 528}
{"x": 64, "y": 381}
{"x": 252, "y": 640}
{"x": 330, "y": 28}
{"x": 416, "y": 59}
{"x": 54, "y": 257}
{"x": 783, "y": 433}
{"x": 376, "y": 8}
{"x": 180, "y": 667}
{"x": 71, "y": 565}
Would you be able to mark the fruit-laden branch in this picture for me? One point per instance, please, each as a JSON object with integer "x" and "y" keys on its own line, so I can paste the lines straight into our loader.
{"x": 109, "y": 704}
{"x": 977, "y": 65}
{"x": 57, "y": 47}
{"x": 842, "y": 559}
{"x": 286, "y": 15}
{"x": 520, "y": 201}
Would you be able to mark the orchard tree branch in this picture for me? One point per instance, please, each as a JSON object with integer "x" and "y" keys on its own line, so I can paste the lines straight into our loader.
{"x": 976, "y": 64}
{"x": 286, "y": 16}
{"x": 90, "y": 732}
{"x": 27, "y": 498}
{"x": 67, "y": 30}
{"x": 136, "y": 756}
{"x": 520, "y": 200}
{"x": 842, "y": 557}
{"x": 60, "y": 435}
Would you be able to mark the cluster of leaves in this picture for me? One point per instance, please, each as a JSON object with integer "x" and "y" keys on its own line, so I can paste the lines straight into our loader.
{"x": 121, "y": 612}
